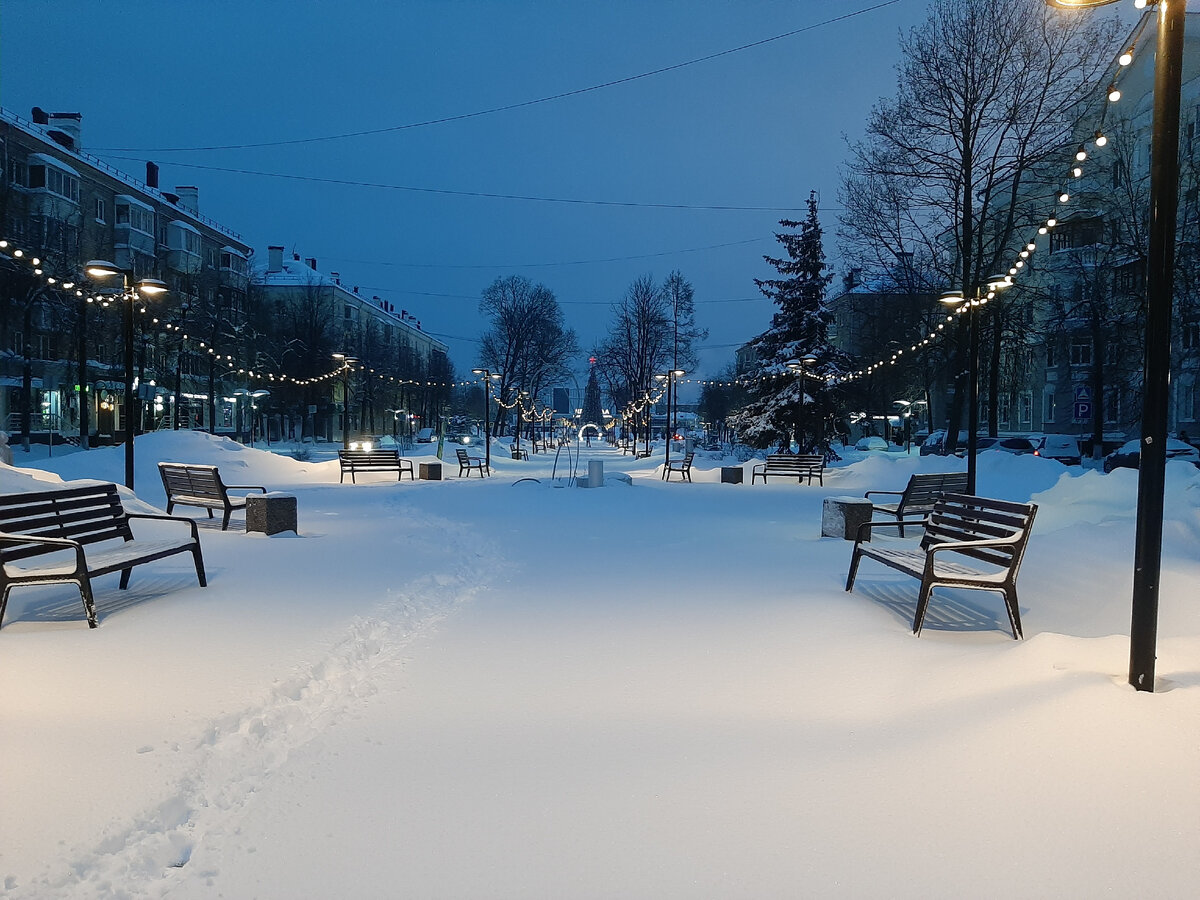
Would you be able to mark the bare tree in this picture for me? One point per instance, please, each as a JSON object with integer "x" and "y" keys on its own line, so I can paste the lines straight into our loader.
{"x": 527, "y": 344}
{"x": 639, "y": 342}
{"x": 985, "y": 89}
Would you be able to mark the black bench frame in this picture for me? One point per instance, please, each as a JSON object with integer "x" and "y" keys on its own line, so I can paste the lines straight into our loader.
{"x": 37, "y": 523}
{"x": 375, "y": 460}
{"x": 919, "y": 494}
{"x": 467, "y": 463}
{"x": 791, "y": 465}
{"x": 683, "y": 467}
{"x": 994, "y": 532}
{"x": 193, "y": 485}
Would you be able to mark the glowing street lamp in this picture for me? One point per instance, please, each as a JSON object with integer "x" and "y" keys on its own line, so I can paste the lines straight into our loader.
{"x": 487, "y": 377}
{"x": 131, "y": 292}
{"x": 347, "y": 362}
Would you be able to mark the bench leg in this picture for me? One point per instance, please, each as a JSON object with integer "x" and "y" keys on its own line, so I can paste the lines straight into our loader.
{"x": 89, "y": 603}
{"x": 1014, "y": 612}
{"x": 855, "y": 559}
{"x": 125, "y": 573}
{"x": 199, "y": 566}
{"x": 922, "y": 606}
{"x": 4, "y": 602}
{"x": 170, "y": 505}
{"x": 225, "y": 520}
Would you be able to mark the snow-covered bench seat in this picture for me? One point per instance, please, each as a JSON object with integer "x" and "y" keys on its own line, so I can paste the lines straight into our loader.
{"x": 71, "y": 535}
{"x": 990, "y": 534}
{"x": 374, "y": 460}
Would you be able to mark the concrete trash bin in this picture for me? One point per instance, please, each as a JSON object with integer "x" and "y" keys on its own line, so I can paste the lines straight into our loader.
{"x": 271, "y": 513}
{"x": 841, "y": 517}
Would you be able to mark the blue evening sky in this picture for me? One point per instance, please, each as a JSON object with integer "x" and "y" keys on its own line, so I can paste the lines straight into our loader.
{"x": 755, "y": 128}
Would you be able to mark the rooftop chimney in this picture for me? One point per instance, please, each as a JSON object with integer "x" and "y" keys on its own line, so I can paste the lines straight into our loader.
{"x": 62, "y": 128}
{"x": 312, "y": 262}
{"x": 337, "y": 277}
{"x": 274, "y": 259}
{"x": 151, "y": 174}
{"x": 189, "y": 197}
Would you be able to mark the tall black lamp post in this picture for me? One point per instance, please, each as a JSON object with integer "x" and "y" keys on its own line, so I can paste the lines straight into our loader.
{"x": 347, "y": 362}
{"x": 487, "y": 377}
{"x": 183, "y": 311}
{"x": 1160, "y": 286}
{"x": 972, "y": 306}
{"x": 132, "y": 291}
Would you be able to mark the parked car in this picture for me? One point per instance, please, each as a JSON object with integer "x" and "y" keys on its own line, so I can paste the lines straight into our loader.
{"x": 935, "y": 444}
{"x": 425, "y": 436}
{"x": 1016, "y": 445}
{"x": 871, "y": 442}
{"x": 1129, "y": 455}
{"x": 1062, "y": 447}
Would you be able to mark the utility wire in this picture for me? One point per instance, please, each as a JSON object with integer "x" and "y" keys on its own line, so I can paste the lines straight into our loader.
{"x": 484, "y": 194}
{"x": 511, "y": 106}
{"x": 576, "y": 262}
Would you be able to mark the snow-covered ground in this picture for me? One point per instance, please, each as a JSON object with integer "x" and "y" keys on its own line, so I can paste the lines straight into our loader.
{"x": 511, "y": 688}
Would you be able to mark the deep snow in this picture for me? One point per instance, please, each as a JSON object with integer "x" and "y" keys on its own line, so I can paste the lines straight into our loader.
{"x": 503, "y": 688}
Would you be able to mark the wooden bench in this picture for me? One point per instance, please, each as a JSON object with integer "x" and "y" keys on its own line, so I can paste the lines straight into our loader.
{"x": 467, "y": 463}
{"x": 791, "y": 465}
{"x": 193, "y": 485}
{"x": 518, "y": 452}
{"x": 683, "y": 467}
{"x": 85, "y": 533}
{"x": 919, "y": 495}
{"x": 993, "y": 533}
{"x": 374, "y": 460}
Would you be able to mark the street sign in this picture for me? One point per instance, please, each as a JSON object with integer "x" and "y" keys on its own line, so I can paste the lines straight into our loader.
{"x": 1083, "y": 410}
{"x": 1083, "y": 393}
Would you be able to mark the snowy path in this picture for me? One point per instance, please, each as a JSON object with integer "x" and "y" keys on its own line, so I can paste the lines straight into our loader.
{"x": 497, "y": 689}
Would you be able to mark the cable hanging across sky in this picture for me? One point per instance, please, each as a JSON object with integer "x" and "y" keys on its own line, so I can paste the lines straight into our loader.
{"x": 510, "y": 106}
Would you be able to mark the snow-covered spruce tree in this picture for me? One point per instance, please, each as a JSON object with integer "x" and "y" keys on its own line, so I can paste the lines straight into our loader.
{"x": 593, "y": 409}
{"x": 788, "y": 398}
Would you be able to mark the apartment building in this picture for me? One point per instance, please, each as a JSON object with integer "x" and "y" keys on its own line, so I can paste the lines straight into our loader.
{"x": 67, "y": 355}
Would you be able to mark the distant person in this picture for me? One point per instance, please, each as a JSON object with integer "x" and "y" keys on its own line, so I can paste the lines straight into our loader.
{"x": 5, "y": 450}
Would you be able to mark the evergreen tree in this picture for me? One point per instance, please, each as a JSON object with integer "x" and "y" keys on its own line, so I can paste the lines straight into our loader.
{"x": 788, "y": 393}
{"x": 592, "y": 408}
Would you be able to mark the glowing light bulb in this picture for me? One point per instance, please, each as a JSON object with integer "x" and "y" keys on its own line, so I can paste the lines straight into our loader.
{"x": 1101, "y": 139}
{"x": 1114, "y": 93}
{"x": 1125, "y": 58}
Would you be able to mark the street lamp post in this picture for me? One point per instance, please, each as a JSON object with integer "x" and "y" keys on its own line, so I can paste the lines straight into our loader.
{"x": 131, "y": 291}
{"x": 183, "y": 311}
{"x": 347, "y": 362}
{"x": 800, "y": 367}
{"x": 487, "y": 377}
{"x": 520, "y": 400}
{"x": 1160, "y": 286}
{"x": 972, "y": 306}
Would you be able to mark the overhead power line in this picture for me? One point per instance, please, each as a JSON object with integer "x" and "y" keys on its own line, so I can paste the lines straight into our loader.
{"x": 510, "y": 106}
{"x": 345, "y": 182}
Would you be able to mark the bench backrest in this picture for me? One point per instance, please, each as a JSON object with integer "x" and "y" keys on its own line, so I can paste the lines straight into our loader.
{"x": 962, "y": 517}
{"x": 923, "y": 490}
{"x": 687, "y": 460}
{"x": 462, "y": 456}
{"x": 193, "y": 481}
{"x": 86, "y": 514}
{"x": 795, "y": 460}
{"x": 367, "y": 457}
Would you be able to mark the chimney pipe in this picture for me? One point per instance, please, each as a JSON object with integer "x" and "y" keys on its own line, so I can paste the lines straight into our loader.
{"x": 274, "y": 259}
{"x": 151, "y": 174}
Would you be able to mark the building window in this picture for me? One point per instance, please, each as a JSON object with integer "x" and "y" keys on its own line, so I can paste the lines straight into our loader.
{"x": 1129, "y": 278}
{"x": 1049, "y": 408}
{"x": 1025, "y": 406}
{"x": 17, "y": 173}
{"x": 1002, "y": 409}
{"x": 16, "y": 342}
{"x": 1191, "y": 335}
{"x": 1112, "y": 406}
{"x": 45, "y": 347}
{"x": 101, "y": 210}
{"x": 1050, "y": 354}
{"x": 1081, "y": 352}
{"x": 136, "y": 218}
{"x": 54, "y": 181}
{"x": 348, "y": 312}
{"x": 1187, "y": 403}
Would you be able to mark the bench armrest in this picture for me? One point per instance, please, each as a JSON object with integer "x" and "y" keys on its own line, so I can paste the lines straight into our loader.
{"x": 246, "y": 487}
{"x": 1009, "y": 541}
{"x": 887, "y": 523}
{"x": 191, "y": 523}
{"x": 894, "y": 493}
{"x": 65, "y": 543}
